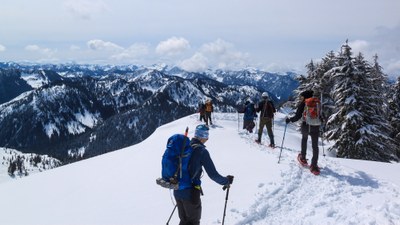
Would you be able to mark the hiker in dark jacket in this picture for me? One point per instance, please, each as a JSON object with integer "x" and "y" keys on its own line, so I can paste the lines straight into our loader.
{"x": 249, "y": 111}
{"x": 202, "y": 112}
{"x": 188, "y": 200}
{"x": 209, "y": 110}
{"x": 306, "y": 130}
{"x": 267, "y": 109}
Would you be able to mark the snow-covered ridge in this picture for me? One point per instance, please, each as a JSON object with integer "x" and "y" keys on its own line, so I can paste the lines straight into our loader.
{"x": 109, "y": 189}
{"x": 15, "y": 164}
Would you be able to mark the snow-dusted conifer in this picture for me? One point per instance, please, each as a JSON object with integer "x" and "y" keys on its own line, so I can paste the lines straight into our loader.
{"x": 394, "y": 113}
{"x": 358, "y": 126}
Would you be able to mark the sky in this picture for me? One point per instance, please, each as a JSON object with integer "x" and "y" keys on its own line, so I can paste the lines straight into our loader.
{"x": 196, "y": 35}
{"x": 119, "y": 188}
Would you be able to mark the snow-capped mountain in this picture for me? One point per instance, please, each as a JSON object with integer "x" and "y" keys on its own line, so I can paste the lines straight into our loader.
{"x": 69, "y": 113}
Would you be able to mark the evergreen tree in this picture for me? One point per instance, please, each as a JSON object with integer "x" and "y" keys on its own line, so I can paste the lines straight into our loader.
{"x": 358, "y": 127}
{"x": 394, "y": 113}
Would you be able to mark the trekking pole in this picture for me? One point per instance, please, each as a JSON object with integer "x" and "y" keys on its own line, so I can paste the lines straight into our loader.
{"x": 171, "y": 214}
{"x": 238, "y": 121}
{"x": 226, "y": 200}
{"x": 322, "y": 139}
{"x": 283, "y": 139}
{"x": 322, "y": 126}
{"x": 256, "y": 124}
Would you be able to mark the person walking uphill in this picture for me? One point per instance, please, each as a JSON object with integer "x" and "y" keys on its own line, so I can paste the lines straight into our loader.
{"x": 202, "y": 111}
{"x": 308, "y": 127}
{"x": 249, "y": 111}
{"x": 267, "y": 109}
{"x": 209, "y": 110}
{"x": 188, "y": 200}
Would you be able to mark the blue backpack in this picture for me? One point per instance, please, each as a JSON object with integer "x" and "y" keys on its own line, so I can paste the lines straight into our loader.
{"x": 175, "y": 162}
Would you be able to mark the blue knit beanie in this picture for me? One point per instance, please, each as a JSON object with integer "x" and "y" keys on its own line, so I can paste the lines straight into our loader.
{"x": 201, "y": 131}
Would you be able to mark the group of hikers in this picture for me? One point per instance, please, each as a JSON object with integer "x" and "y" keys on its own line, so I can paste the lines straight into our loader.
{"x": 310, "y": 126}
{"x": 188, "y": 199}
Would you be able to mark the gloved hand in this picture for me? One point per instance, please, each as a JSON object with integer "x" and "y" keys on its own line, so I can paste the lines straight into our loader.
{"x": 287, "y": 120}
{"x": 230, "y": 178}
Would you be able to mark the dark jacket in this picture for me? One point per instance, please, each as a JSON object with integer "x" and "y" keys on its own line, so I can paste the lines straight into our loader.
{"x": 200, "y": 158}
{"x": 299, "y": 113}
{"x": 266, "y": 110}
{"x": 249, "y": 111}
{"x": 202, "y": 108}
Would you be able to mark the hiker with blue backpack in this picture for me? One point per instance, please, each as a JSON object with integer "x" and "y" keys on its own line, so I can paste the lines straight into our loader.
{"x": 188, "y": 200}
{"x": 182, "y": 168}
{"x": 250, "y": 114}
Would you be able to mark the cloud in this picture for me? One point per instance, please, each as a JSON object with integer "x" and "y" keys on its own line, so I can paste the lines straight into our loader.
{"x": 359, "y": 46}
{"x": 172, "y": 46}
{"x": 224, "y": 55}
{"x": 2, "y": 48}
{"x": 386, "y": 43}
{"x": 133, "y": 52}
{"x": 198, "y": 62}
{"x": 218, "y": 47}
{"x": 394, "y": 68}
{"x": 100, "y": 45}
{"x": 85, "y": 9}
{"x": 47, "y": 52}
{"x": 219, "y": 54}
{"x": 74, "y": 48}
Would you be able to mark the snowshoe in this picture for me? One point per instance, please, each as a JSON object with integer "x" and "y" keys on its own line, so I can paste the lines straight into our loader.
{"x": 302, "y": 160}
{"x": 315, "y": 170}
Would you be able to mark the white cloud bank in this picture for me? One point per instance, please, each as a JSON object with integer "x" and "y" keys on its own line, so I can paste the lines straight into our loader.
{"x": 173, "y": 46}
{"x": 100, "y": 45}
{"x": 219, "y": 54}
{"x": 46, "y": 52}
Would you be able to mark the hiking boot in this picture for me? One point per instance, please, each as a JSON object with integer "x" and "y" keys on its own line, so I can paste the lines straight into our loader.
{"x": 258, "y": 141}
{"x": 315, "y": 170}
{"x": 272, "y": 145}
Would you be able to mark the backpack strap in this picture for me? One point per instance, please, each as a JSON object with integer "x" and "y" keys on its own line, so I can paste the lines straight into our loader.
{"x": 179, "y": 169}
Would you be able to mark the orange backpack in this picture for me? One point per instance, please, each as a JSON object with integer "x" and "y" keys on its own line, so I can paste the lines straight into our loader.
{"x": 312, "y": 111}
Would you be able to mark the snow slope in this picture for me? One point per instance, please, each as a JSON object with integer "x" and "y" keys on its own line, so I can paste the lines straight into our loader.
{"x": 119, "y": 188}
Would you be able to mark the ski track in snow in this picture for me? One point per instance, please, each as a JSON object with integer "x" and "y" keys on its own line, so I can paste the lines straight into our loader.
{"x": 303, "y": 198}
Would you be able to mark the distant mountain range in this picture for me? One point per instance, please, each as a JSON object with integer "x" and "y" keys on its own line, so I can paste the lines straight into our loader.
{"x": 73, "y": 111}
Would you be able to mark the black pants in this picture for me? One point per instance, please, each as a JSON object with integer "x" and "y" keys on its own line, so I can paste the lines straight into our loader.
{"x": 249, "y": 125}
{"x": 313, "y": 131}
{"x": 208, "y": 118}
{"x": 190, "y": 210}
{"x": 203, "y": 117}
